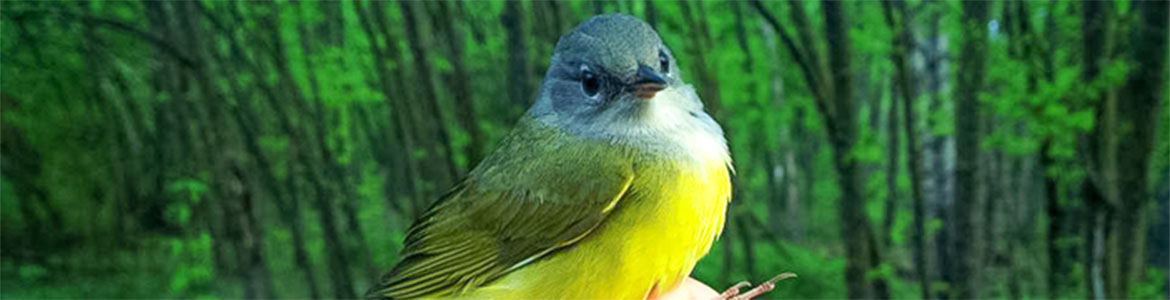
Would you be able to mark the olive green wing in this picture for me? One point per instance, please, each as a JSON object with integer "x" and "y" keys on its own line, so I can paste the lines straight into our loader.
{"x": 484, "y": 229}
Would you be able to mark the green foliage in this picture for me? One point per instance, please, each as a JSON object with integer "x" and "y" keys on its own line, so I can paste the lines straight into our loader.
{"x": 193, "y": 274}
{"x": 147, "y": 145}
{"x": 32, "y": 272}
{"x": 1153, "y": 286}
{"x": 819, "y": 276}
{"x": 901, "y": 230}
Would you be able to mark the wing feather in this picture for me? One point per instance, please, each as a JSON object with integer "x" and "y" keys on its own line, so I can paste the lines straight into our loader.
{"x": 512, "y": 213}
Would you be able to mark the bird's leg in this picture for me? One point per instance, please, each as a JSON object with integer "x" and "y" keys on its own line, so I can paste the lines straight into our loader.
{"x": 733, "y": 292}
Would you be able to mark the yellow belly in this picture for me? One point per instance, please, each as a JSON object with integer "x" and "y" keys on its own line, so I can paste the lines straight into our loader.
{"x": 670, "y": 218}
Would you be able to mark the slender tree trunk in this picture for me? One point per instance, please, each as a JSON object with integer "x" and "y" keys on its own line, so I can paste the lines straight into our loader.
{"x": 1055, "y": 216}
{"x": 1096, "y": 29}
{"x": 834, "y": 100}
{"x": 209, "y": 111}
{"x": 339, "y": 275}
{"x": 964, "y": 278}
{"x": 1017, "y": 235}
{"x": 164, "y": 131}
{"x": 914, "y": 164}
{"x": 1137, "y": 116}
{"x": 858, "y": 235}
{"x": 898, "y": 19}
{"x": 254, "y": 270}
{"x": 170, "y": 84}
{"x": 21, "y": 166}
{"x": 747, "y": 240}
{"x": 101, "y": 103}
{"x": 936, "y": 174}
{"x": 892, "y": 145}
{"x": 788, "y": 193}
{"x": 520, "y": 89}
{"x": 546, "y": 24}
{"x": 992, "y": 195}
{"x": 461, "y": 88}
{"x": 338, "y": 186}
{"x": 697, "y": 49}
{"x": 441, "y": 152}
{"x": 793, "y": 208}
{"x": 651, "y": 14}
{"x": 287, "y": 205}
{"x": 401, "y": 105}
{"x": 1159, "y": 228}
{"x": 730, "y": 234}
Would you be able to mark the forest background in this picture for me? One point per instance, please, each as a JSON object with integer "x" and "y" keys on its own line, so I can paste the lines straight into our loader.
{"x": 904, "y": 149}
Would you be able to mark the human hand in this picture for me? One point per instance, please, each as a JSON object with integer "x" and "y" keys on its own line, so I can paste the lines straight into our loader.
{"x": 692, "y": 289}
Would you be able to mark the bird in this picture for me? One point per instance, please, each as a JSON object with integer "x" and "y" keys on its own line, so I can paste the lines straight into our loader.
{"x": 612, "y": 185}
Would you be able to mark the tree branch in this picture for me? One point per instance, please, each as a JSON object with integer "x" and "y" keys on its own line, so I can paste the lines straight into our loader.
{"x": 128, "y": 28}
{"x": 804, "y": 62}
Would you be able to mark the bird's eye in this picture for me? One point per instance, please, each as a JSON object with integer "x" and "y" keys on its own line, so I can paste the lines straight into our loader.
{"x": 590, "y": 83}
{"x": 663, "y": 62}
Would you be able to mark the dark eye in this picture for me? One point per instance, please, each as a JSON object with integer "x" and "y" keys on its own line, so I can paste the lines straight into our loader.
{"x": 663, "y": 62}
{"x": 590, "y": 83}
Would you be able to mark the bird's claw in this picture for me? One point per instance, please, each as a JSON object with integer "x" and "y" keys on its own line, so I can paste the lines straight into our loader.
{"x": 733, "y": 292}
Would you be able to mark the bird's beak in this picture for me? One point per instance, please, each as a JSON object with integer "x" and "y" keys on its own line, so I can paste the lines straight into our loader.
{"x": 647, "y": 82}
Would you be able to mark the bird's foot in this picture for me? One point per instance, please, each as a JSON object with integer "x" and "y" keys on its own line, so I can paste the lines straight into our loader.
{"x": 733, "y": 292}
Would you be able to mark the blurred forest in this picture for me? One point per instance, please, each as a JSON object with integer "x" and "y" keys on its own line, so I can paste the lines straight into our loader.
{"x": 896, "y": 149}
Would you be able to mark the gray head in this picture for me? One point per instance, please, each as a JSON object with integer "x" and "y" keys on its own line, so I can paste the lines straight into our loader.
{"x": 612, "y": 77}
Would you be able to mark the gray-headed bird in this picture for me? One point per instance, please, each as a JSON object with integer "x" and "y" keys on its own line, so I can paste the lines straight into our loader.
{"x": 612, "y": 185}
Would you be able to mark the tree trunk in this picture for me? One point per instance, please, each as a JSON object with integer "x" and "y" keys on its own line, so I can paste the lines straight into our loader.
{"x": 651, "y": 14}
{"x": 21, "y": 165}
{"x": 401, "y": 105}
{"x": 338, "y": 186}
{"x": 163, "y": 136}
{"x": 120, "y": 189}
{"x": 991, "y": 191}
{"x": 209, "y": 112}
{"x": 461, "y": 87}
{"x": 834, "y": 100}
{"x": 1137, "y": 115}
{"x": 1097, "y": 40}
{"x": 940, "y": 201}
{"x": 1159, "y": 229}
{"x": 727, "y": 240}
{"x": 696, "y": 49}
{"x": 892, "y": 145}
{"x": 245, "y": 117}
{"x": 444, "y": 171}
{"x": 789, "y": 209}
{"x": 967, "y": 247}
{"x": 1056, "y": 262}
{"x": 180, "y": 153}
{"x": 520, "y": 89}
{"x": 546, "y": 24}
{"x": 342, "y": 284}
{"x": 858, "y": 235}
{"x": 254, "y": 270}
{"x": 902, "y": 40}
{"x": 749, "y": 248}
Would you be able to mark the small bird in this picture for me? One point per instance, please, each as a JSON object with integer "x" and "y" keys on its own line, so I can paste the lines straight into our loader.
{"x": 612, "y": 185}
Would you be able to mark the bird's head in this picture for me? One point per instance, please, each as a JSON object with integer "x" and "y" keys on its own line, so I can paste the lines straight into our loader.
{"x": 613, "y": 77}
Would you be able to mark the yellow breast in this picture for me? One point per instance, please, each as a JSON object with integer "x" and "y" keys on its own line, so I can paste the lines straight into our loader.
{"x": 673, "y": 212}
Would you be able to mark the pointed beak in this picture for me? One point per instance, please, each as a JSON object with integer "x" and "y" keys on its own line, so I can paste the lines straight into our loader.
{"x": 646, "y": 83}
